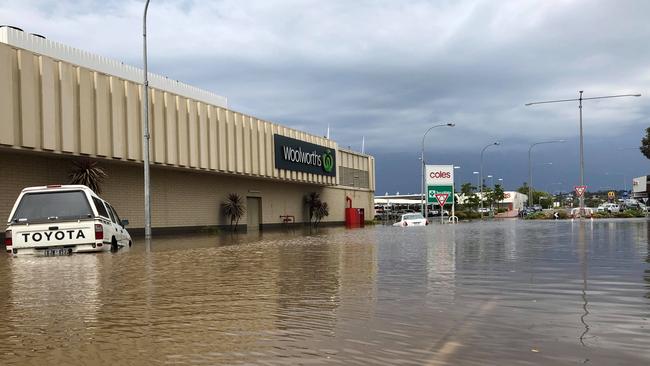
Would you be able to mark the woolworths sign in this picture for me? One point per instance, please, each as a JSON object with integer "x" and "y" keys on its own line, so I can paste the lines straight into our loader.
{"x": 301, "y": 156}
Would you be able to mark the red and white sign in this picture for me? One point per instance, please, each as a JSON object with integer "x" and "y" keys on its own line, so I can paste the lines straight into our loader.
{"x": 580, "y": 190}
{"x": 442, "y": 198}
{"x": 440, "y": 175}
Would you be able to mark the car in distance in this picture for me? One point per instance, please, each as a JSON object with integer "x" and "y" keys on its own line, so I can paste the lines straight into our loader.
{"x": 609, "y": 208}
{"x": 434, "y": 213}
{"x": 61, "y": 220}
{"x": 411, "y": 219}
{"x": 527, "y": 211}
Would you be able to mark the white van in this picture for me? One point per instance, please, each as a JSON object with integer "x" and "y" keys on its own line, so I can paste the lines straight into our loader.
{"x": 61, "y": 220}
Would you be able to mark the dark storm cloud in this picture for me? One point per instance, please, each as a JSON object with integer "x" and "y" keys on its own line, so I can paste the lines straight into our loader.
{"x": 388, "y": 70}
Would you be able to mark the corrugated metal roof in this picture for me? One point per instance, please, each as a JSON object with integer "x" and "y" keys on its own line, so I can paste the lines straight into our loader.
{"x": 105, "y": 65}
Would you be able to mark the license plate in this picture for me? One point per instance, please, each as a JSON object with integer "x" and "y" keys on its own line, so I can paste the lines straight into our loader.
{"x": 53, "y": 252}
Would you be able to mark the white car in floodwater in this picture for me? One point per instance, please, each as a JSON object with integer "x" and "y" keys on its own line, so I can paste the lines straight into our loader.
{"x": 61, "y": 220}
{"x": 412, "y": 219}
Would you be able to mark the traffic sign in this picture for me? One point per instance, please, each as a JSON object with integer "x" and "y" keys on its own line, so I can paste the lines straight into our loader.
{"x": 442, "y": 198}
{"x": 645, "y": 199}
{"x": 580, "y": 190}
{"x": 433, "y": 190}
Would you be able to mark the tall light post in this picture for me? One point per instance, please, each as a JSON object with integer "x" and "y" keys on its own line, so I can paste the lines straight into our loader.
{"x": 491, "y": 178}
{"x": 423, "y": 207}
{"x": 478, "y": 179}
{"x": 496, "y": 143}
{"x": 582, "y": 156}
{"x": 453, "y": 203}
{"x": 500, "y": 182}
{"x": 146, "y": 137}
{"x": 530, "y": 167}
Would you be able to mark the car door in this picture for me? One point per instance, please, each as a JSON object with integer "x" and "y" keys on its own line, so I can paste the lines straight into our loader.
{"x": 117, "y": 226}
{"x": 122, "y": 236}
{"x": 114, "y": 232}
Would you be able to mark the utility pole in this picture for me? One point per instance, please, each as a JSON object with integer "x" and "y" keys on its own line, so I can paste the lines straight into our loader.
{"x": 582, "y": 157}
{"x": 146, "y": 136}
{"x": 424, "y": 200}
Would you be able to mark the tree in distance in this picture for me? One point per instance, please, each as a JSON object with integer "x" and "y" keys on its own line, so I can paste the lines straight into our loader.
{"x": 645, "y": 144}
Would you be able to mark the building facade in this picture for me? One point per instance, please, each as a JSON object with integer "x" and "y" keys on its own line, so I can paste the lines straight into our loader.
{"x": 59, "y": 104}
{"x": 640, "y": 187}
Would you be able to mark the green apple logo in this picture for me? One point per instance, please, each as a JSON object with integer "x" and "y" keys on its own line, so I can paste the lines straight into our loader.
{"x": 328, "y": 161}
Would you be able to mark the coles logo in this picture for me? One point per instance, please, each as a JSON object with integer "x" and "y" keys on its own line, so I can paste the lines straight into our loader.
{"x": 440, "y": 175}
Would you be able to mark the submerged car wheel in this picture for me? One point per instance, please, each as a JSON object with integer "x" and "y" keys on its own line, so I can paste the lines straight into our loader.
{"x": 114, "y": 246}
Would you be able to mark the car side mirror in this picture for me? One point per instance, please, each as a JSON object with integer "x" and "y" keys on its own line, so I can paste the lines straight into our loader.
{"x": 125, "y": 222}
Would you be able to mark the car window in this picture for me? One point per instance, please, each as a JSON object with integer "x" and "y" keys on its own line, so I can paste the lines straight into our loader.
{"x": 412, "y": 217}
{"x": 117, "y": 217}
{"x": 101, "y": 210}
{"x": 110, "y": 212}
{"x": 52, "y": 206}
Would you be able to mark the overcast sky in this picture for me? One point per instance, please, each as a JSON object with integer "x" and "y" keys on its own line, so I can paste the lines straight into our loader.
{"x": 388, "y": 70}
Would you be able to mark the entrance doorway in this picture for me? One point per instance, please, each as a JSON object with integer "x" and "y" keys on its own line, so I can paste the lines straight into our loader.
{"x": 253, "y": 213}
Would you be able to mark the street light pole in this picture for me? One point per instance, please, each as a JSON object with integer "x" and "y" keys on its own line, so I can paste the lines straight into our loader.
{"x": 453, "y": 194}
{"x": 530, "y": 167}
{"x": 423, "y": 205}
{"x": 496, "y": 143}
{"x": 146, "y": 136}
{"x": 582, "y": 157}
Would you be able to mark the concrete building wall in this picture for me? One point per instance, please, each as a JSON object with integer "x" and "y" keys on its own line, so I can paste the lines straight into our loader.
{"x": 54, "y": 110}
{"x": 54, "y": 106}
{"x": 180, "y": 198}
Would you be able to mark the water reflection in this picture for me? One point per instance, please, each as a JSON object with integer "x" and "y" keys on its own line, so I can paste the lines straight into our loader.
{"x": 507, "y": 292}
{"x": 583, "y": 255}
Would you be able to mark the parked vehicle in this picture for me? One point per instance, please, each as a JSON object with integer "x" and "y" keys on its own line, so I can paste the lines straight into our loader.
{"x": 538, "y": 208}
{"x": 527, "y": 211}
{"x": 61, "y": 220}
{"x": 434, "y": 213}
{"x": 412, "y": 219}
{"x": 609, "y": 208}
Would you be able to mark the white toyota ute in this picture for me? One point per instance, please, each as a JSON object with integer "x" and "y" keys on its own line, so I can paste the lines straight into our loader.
{"x": 61, "y": 220}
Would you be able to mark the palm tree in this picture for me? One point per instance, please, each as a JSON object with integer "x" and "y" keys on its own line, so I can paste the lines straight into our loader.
{"x": 312, "y": 200}
{"x": 234, "y": 209}
{"x": 321, "y": 211}
{"x": 87, "y": 173}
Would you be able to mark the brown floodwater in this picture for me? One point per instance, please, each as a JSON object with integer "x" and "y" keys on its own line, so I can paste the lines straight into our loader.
{"x": 500, "y": 293}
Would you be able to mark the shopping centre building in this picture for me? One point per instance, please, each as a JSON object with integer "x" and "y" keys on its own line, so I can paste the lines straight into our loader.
{"x": 59, "y": 104}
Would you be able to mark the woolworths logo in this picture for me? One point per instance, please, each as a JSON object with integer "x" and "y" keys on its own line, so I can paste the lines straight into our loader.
{"x": 310, "y": 158}
{"x": 302, "y": 156}
{"x": 328, "y": 161}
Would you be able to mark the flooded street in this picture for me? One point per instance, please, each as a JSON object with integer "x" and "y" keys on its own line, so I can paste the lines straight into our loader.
{"x": 508, "y": 292}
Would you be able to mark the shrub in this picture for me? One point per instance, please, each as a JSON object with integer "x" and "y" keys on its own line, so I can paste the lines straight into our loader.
{"x": 467, "y": 215}
{"x": 536, "y": 216}
{"x": 86, "y": 172}
{"x": 234, "y": 209}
